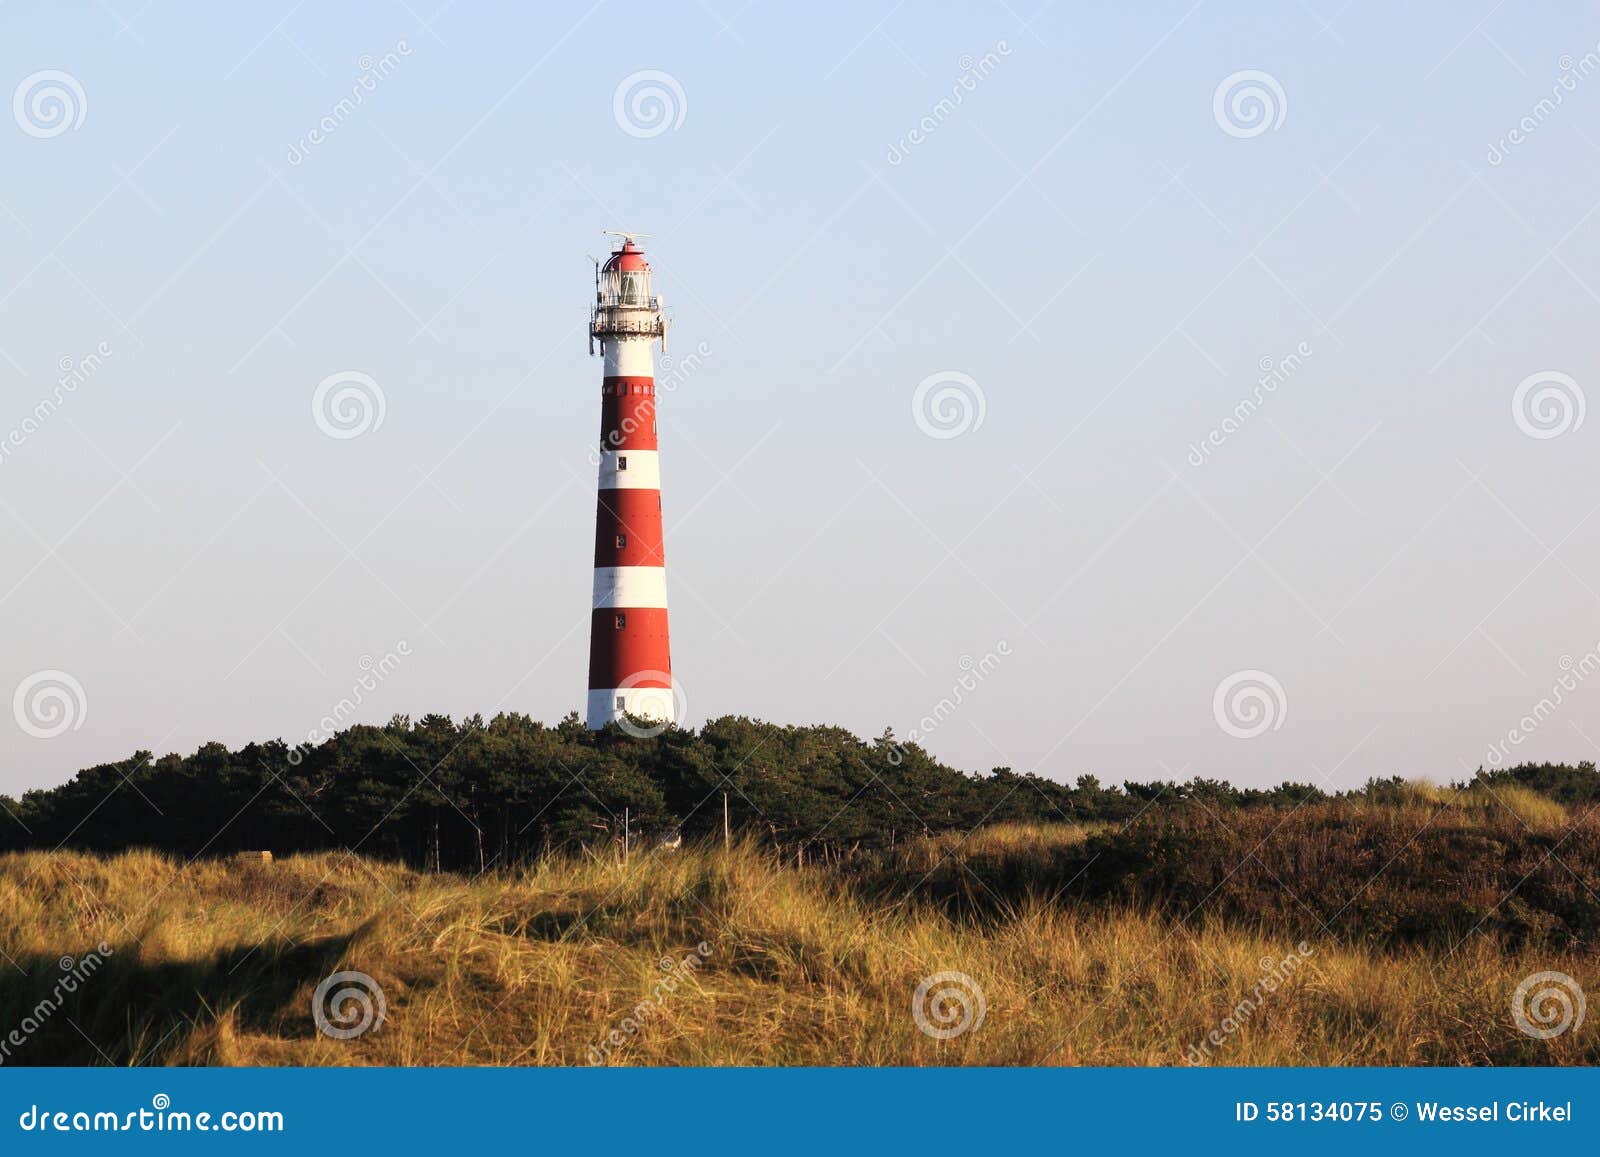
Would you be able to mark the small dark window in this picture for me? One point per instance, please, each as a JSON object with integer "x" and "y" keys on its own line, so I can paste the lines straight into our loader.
{"x": 622, "y": 463}
{"x": 622, "y": 702}
{"x": 622, "y": 621}
{"x": 622, "y": 541}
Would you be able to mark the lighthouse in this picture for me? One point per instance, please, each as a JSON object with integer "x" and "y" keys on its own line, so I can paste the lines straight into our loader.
{"x": 630, "y": 659}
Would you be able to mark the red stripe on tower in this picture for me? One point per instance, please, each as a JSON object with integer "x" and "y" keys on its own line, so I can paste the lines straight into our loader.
{"x": 630, "y": 659}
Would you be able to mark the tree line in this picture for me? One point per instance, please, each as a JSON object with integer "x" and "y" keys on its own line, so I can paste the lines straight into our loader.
{"x": 475, "y": 795}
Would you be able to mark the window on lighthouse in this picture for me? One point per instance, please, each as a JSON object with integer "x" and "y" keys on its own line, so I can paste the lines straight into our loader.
{"x": 622, "y": 621}
{"x": 634, "y": 289}
{"x": 622, "y": 463}
{"x": 622, "y": 541}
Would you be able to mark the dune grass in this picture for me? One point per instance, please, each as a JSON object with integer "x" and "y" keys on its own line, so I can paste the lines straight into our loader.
{"x": 1521, "y": 804}
{"x": 711, "y": 957}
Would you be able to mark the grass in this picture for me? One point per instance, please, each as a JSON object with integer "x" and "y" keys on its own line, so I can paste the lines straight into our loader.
{"x": 1388, "y": 876}
{"x": 569, "y": 962}
{"x": 1506, "y": 801}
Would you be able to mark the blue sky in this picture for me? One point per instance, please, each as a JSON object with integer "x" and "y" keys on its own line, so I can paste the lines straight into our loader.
{"x": 1090, "y": 246}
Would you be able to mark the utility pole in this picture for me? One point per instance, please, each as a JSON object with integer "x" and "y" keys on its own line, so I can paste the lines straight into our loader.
{"x": 626, "y": 818}
{"x": 727, "y": 837}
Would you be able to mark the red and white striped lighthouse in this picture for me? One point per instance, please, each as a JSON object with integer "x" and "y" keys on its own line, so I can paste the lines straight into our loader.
{"x": 630, "y": 659}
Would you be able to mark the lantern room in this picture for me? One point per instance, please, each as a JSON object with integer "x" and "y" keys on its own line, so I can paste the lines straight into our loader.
{"x": 624, "y": 304}
{"x": 625, "y": 278}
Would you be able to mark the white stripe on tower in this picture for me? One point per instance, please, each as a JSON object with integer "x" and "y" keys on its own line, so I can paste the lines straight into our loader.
{"x": 630, "y": 586}
{"x": 630, "y": 470}
{"x": 629, "y": 358}
{"x": 640, "y": 702}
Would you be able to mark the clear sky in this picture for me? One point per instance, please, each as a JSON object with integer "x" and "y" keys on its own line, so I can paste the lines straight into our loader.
{"x": 1057, "y": 213}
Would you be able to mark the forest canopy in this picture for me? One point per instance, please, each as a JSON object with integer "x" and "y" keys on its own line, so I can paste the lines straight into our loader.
{"x": 473, "y": 795}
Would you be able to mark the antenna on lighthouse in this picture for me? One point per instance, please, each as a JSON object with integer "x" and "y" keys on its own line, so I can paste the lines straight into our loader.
{"x": 595, "y": 261}
{"x": 627, "y": 237}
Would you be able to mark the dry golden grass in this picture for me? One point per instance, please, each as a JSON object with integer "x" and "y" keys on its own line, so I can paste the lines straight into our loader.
{"x": 1524, "y": 804}
{"x": 216, "y": 964}
{"x": 1009, "y": 839}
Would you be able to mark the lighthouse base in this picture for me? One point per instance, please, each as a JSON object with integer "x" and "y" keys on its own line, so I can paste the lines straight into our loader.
{"x": 613, "y": 705}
